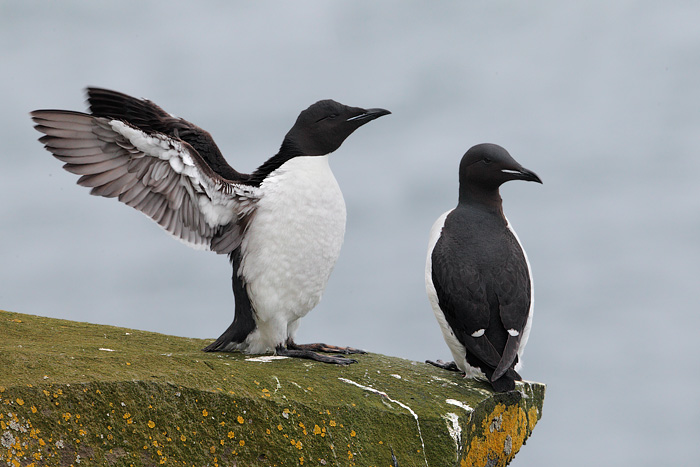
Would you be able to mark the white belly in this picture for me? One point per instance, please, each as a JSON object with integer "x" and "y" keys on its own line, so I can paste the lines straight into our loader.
{"x": 291, "y": 246}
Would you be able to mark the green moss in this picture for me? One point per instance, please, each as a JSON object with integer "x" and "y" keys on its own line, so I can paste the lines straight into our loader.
{"x": 104, "y": 395}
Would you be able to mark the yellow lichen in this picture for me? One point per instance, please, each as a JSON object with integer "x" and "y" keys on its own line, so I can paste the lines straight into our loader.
{"x": 499, "y": 438}
{"x": 532, "y": 418}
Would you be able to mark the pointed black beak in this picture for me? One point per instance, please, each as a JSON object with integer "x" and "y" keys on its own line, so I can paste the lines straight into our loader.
{"x": 522, "y": 174}
{"x": 368, "y": 115}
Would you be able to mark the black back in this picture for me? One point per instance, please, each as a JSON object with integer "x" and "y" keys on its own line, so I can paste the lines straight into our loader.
{"x": 319, "y": 130}
{"x": 150, "y": 118}
{"x": 479, "y": 269}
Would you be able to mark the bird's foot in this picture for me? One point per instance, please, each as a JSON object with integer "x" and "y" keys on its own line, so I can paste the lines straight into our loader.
{"x": 311, "y": 355}
{"x": 451, "y": 366}
{"x": 325, "y": 348}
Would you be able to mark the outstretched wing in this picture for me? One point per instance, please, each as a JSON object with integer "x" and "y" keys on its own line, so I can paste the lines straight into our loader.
{"x": 160, "y": 175}
{"x": 149, "y": 117}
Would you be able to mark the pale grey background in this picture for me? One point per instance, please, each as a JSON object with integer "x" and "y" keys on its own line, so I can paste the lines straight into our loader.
{"x": 601, "y": 99}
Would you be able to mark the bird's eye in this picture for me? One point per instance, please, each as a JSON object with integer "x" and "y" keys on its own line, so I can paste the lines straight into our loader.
{"x": 327, "y": 117}
{"x": 487, "y": 160}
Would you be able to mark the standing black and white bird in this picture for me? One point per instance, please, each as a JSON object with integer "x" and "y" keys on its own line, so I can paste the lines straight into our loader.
{"x": 477, "y": 274}
{"x": 282, "y": 226}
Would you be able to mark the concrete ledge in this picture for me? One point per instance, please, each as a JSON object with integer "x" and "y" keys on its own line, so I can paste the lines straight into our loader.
{"x": 83, "y": 394}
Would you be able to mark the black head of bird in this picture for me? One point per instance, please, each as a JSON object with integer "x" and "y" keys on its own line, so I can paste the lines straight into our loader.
{"x": 322, "y": 128}
{"x": 487, "y": 166}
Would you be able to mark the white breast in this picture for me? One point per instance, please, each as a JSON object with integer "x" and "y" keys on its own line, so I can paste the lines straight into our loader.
{"x": 291, "y": 246}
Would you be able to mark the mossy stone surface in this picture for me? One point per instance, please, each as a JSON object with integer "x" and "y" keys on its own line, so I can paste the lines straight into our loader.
{"x": 83, "y": 394}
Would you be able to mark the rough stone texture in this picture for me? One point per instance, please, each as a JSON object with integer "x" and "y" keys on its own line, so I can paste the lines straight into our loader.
{"x": 83, "y": 394}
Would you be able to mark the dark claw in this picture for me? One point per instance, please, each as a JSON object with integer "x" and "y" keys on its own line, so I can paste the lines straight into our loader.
{"x": 452, "y": 366}
{"x": 310, "y": 355}
{"x": 325, "y": 348}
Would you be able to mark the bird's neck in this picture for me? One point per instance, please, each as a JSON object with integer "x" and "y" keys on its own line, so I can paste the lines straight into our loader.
{"x": 287, "y": 151}
{"x": 487, "y": 199}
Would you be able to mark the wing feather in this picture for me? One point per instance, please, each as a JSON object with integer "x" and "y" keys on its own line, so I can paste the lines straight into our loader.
{"x": 157, "y": 174}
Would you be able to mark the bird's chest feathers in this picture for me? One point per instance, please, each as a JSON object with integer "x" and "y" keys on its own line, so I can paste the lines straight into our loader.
{"x": 297, "y": 231}
{"x": 485, "y": 242}
{"x": 303, "y": 197}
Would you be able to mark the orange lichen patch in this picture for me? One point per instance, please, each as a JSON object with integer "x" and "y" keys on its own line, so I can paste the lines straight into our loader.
{"x": 500, "y": 437}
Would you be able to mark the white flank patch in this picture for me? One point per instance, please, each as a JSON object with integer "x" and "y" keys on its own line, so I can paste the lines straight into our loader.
{"x": 106, "y": 350}
{"x": 478, "y": 333}
{"x": 513, "y": 332}
{"x": 459, "y": 404}
{"x": 459, "y": 352}
{"x": 383, "y": 394}
{"x": 265, "y": 358}
{"x": 454, "y": 429}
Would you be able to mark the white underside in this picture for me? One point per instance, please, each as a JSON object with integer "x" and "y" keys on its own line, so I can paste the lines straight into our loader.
{"x": 457, "y": 349}
{"x": 290, "y": 248}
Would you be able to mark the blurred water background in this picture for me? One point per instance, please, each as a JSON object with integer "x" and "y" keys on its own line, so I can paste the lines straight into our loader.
{"x": 601, "y": 99}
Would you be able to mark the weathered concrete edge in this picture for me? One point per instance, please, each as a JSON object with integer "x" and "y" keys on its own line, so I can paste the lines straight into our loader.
{"x": 479, "y": 440}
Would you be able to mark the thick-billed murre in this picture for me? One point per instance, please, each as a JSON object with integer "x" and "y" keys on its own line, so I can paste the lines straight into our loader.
{"x": 477, "y": 274}
{"x": 282, "y": 225}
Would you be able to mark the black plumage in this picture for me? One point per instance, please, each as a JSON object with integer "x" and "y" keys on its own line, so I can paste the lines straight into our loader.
{"x": 478, "y": 272}
{"x": 172, "y": 171}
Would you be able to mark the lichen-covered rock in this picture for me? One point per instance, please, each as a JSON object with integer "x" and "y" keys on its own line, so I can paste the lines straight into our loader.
{"x": 82, "y": 394}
